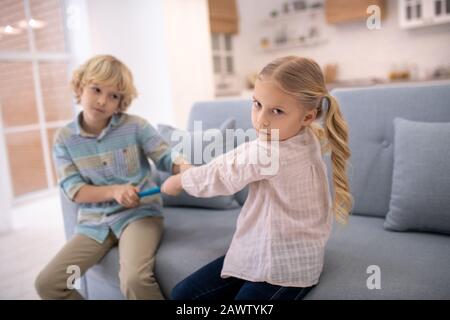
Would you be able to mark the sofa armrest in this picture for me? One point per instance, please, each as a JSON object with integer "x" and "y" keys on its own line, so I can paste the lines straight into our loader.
{"x": 70, "y": 218}
{"x": 70, "y": 214}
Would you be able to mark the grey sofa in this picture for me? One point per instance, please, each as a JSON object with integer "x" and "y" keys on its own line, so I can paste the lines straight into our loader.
{"x": 413, "y": 265}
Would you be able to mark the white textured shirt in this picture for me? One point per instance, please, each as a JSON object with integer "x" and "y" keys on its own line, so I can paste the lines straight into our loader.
{"x": 284, "y": 225}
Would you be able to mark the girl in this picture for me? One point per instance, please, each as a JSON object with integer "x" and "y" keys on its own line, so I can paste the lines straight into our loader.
{"x": 277, "y": 250}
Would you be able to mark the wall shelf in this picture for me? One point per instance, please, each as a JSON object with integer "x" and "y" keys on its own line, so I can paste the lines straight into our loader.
{"x": 293, "y": 45}
{"x": 296, "y": 29}
{"x": 292, "y": 16}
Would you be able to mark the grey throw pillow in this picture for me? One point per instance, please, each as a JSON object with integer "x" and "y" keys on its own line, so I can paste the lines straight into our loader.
{"x": 420, "y": 198}
{"x": 198, "y": 151}
{"x": 186, "y": 200}
{"x": 241, "y": 196}
{"x": 200, "y": 147}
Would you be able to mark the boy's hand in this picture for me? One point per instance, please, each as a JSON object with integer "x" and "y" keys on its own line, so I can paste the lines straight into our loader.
{"x": 172, "y": 186}
{"x": 126, "y": 195}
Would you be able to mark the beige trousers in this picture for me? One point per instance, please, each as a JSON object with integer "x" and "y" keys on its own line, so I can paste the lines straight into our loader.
{"x": 137, "y": 249}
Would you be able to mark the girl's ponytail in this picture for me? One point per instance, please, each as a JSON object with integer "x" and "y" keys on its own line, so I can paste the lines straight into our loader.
{"x": 336, "y": 132}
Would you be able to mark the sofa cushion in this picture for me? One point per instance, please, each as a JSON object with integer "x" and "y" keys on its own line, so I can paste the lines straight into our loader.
{"x": 412, "y": 265}
{"x": 241, "y": 196}
{"x": 184, "y": 199}
{"x": 421, "y": 182}
{"x": 212, "y": 113}
{"x": 192, "y": 238}
{"x": 197, "y": 145}
{"x": 103, "y": 278}
{"x": 369, "y": 113}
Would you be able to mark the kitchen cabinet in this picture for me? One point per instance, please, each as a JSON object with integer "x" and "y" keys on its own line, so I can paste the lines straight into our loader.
{"x": 223, "y": 16}
{"x": 421, "y": 13}
{"x": 341, "y": 11}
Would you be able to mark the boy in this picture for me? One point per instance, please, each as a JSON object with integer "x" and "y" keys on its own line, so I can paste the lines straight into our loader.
{"x": 101, "y": 160}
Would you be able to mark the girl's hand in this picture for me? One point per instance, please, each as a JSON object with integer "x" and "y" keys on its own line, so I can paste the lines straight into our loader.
{"x": 172, "y": 186}
{"x": 180, "y": 168}
{"x": 126, "y": 195}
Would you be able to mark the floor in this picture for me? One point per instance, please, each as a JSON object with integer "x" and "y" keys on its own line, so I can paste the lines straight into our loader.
{"x": 36, "y": 237}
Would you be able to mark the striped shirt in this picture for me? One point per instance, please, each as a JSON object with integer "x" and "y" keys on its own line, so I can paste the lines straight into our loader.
{"x": 284, "y": 225}
{"x": 117, "y": 156}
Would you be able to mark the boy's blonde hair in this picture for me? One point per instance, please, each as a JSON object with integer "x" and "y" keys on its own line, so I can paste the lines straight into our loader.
{"x": 105, "y": 70}
{"x": 302, "y": 78}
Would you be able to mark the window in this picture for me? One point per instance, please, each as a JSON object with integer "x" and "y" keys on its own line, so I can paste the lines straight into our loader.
{"x": 222, "y": 54}
{"x": 223, "y": 64}
{"x": 35, "y": 98}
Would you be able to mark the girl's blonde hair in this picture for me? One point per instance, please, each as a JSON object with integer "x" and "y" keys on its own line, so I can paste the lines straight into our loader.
{"x": 302, "y": 78}
{"x": 105, "y": 70}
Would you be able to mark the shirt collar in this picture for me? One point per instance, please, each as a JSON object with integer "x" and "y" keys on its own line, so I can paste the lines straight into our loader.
{"x": 114, "y": 121}
{"x": 301, "y": 138}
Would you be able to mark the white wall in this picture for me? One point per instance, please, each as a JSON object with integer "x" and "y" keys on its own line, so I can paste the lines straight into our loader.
{"x": 359, "y": 52}
{"x": 165, "y": 43}
{"x": 5, "y": 185}
{"x": 189, "y": 52}
{"x": 77, "y": 31}
{"x": 133, "y": 31}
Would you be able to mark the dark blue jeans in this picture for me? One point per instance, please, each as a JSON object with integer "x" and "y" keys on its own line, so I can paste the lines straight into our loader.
{"x": 206, "y": 284}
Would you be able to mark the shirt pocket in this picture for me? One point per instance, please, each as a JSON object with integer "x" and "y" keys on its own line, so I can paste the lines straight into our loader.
{"x": 127, "y": 162}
